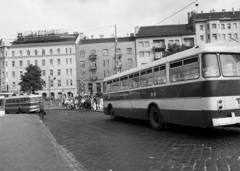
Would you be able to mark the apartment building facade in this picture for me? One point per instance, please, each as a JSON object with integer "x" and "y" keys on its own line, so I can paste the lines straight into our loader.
{"x": 54, "y": 54}
{"x": 152, "y": 41}
{"x": 215, "y": 26}
{"x": 100, "y": 58}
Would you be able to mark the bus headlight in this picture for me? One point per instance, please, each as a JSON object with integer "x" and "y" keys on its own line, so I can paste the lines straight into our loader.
{"x": 220, "y": 104}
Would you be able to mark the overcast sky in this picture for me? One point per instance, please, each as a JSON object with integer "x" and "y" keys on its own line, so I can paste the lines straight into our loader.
{"x": 18, "y": 16}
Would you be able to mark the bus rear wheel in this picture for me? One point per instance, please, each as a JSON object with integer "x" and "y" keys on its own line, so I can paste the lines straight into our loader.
{"x": 156, "y": 118}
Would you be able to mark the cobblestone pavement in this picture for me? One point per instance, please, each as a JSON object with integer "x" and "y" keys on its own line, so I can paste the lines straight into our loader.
{"x": 101, "y": 144}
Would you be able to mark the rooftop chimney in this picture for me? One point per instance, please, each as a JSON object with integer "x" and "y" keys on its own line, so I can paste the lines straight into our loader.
{"x": 101, "y": 36}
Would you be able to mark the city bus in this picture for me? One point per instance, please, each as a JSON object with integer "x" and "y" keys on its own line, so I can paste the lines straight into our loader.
{"x": 23, "y": 104}
{"x": 198, "y": 87}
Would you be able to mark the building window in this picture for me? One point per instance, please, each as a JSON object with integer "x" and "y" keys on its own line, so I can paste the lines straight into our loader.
{"x": 51, "y": 51}
{"x": 70, "y": 50}
{"x": 141, "y": 54}
{"x": 177, "y": 42}
{"x": 66, "y": 60}
{"x": 229, "y": 36}
{"x": 20, "y": 63}
{"x": 208, "y": 37}
{"x": 51, "y": 72}
{"x": 13, "y": 74}
{"x": 235, "y": 25}
{"x": 108, "y": 74}
{"x": 141, "y": 44}
{"x": 66, "y": 50}
{"x": 70, "y": 60}
{"x": 223, "y": 37}
{"x": 51, "y": 61}
{"x": 70, "y": 71}
{"x": 93, "y": 52}
{"x": 59, "y": 71}
{"x": 13, "y": 63}
{"x": 51, "y": 83}
{"x": 28, "y": 62}
{"x": 107, "y": 63}
{"x": 82, "y": 64}
{"x": 43, "y": 52}
{"x": 36, "y": 62}
{"x": 235, "y": 36}
{"x": 105, "y": 52}
{"x": 129, "y": 62}
{"x": 170, "y": 42}
{"x": 28, "y": 52}
{"x": 43, "y": 72}
{"x": 59, "y": 83}
{"x": 71, "y": 83}
{"x": 223, "y": 26}
{"x": 103, "y": 63}
{"x": 58, "y": 51}
{"x": 3, "y": 64}
{"x": 82, "y": 53}
{"x": 146, "y": 43}
{"x": 104, "y": 73}
{"x": 214, "y": 36}
{"x": 129, "y": 51}
{"x": 202, "y": 37}
{"x": 229, "y": 25}
{"x": 35, "y": 52}
{"x": 21, "y": 73}
{"x": 201, "y": 27}
{"x": 13, "y": 84}
{"x": 58, "y": 61}
{"x": 67, "y": 83}
{"x": 214, "y": 26}
{"x": 147, "y": 54}
{"x": 90, "y": 88}
{"x": 43, "y": 62}
{"x": 13, "y": 53}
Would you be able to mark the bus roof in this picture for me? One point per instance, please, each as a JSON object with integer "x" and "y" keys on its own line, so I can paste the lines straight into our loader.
{"x": 205, "y": 48}
{"x": 24, "y": 96}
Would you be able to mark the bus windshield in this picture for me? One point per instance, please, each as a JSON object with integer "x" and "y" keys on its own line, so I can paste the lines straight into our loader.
{"x": 230, "y": 64}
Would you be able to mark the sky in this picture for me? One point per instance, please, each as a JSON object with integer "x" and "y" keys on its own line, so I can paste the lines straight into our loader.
{"x": 98, "y": 17}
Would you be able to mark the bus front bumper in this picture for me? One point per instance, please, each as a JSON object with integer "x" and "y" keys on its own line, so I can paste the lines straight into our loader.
{"x": 226, "y": 121}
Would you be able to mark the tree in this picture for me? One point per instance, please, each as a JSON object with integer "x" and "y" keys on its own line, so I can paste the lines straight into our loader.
{"x": 174, "y": 48}
{"x": 31, "y": 80}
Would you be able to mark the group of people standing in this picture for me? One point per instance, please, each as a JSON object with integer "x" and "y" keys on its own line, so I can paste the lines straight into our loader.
{"x": 83, "y": 102}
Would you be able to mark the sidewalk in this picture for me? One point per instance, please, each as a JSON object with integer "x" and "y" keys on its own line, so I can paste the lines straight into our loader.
{"x": 26, "y": 145}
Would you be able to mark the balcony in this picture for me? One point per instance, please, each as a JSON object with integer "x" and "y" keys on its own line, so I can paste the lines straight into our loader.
{"x": 119, "y": 56}
{"x": 92, "y": 57}
{"x": 93, "y": 68}
{"x": 159, "y": 46}
{"x": 93, "y": 78}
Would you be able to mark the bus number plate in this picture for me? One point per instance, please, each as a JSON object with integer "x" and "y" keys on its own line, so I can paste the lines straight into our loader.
{"x": 238, "y": 100}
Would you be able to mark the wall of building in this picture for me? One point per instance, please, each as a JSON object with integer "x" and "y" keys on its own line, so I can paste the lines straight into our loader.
{"x": 18, "y": 59}
{"x": 103, "y": 70}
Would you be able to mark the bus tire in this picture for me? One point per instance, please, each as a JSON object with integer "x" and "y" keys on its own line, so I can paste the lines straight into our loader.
{"x": 112, "y": 115}
{"x": 155, "y": 118}
{"x": 19, "y": 110}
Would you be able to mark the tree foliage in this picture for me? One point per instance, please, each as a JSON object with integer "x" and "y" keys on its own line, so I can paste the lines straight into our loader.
{"x": 174, "y": 48}
{"x": 31, "y": 80}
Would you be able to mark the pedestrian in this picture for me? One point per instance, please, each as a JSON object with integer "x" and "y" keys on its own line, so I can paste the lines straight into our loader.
{"x": 42, "y": 111}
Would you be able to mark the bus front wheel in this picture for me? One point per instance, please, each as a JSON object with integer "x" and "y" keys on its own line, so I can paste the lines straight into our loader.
{"x": 156, "y": 118}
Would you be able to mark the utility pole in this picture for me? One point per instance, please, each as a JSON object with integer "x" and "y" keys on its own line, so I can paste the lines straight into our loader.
{"x": 116, "y": 48}
{"x": 49, "y": 92}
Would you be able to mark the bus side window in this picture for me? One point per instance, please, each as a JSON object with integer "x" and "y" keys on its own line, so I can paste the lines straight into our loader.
{"x": 124, "y": 83}
{"x": 136, "y": 80}
{"x": 116, "y": 85}
{"x": 109, "y": 86}
{"x": 210, "y": 66}
{"x": 159, "y": 75}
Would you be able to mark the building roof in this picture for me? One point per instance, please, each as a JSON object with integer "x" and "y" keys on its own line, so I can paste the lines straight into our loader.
{"x": 106, "y": 40}
{"x": 218, "y": 15}
{"x": 165, "y": 30}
